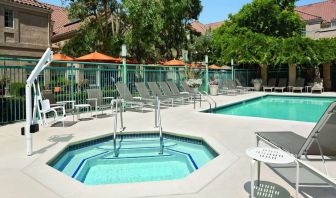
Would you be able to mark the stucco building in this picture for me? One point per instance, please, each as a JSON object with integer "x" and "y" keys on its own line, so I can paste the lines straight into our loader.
{"x": 25, "y": 28}
{"x": 319, "y": 18}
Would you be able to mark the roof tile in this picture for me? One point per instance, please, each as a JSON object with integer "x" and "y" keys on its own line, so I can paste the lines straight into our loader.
{"x": 33, "y": 3}
{"x": 325, "y": 10}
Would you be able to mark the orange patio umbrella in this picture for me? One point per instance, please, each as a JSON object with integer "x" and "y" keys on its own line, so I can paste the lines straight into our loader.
{"x": 174, "y": 63}
{"x": 62, "y": 57}
{"x": 196, "y": 65}
{"x": 215, "y": 67}
{"x": 96, "y": 56}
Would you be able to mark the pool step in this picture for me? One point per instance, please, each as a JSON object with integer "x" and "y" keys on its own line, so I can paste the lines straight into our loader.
{"x": 136, "y": 144}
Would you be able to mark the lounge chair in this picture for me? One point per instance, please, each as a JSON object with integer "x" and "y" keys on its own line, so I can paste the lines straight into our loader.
{"x": 167, "y": 92}
{"x": 318, "y": 87}
{"x": 239, "y": 85}
{"x": 48, "y": 95}
{"x": 176, "y": 91}
{"x": 228, "y": 88}
{"x": 96, "y": 99}
{"x": 187, "y": 88}
{"x": 144, "y": 93}
{"x": 320, "y": 142}
{"x": 270, "y": 85}
{"x": 46, "y": 108}
{"x": 282, "y": 85}
{"x": 196, "y": 95}
{"x": 157, "y": 92}
{"x": 299, "y": 85}
{"x": 126, "y": 95}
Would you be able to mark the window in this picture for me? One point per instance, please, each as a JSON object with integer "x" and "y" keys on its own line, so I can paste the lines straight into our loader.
{"x": 9, "y": 18}
{"x": 333, "y": 24}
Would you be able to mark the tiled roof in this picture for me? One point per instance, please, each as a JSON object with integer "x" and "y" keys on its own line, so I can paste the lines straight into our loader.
{"x": 62, "y": 23}
{"x": 33, "y": 3}
{"x": 214, "y": 25}
{"x": 202, "y": 28}
{"x": 325, "y": 10}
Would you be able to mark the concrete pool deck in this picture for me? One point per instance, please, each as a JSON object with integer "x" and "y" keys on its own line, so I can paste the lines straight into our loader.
{"x": 229, "y": 176}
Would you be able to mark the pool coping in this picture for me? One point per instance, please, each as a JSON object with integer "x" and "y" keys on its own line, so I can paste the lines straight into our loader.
{"x": 70, "y": 187}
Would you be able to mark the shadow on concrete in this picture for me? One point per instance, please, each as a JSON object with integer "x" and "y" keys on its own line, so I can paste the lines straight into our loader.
{"x": 267, "y": 190}
{"x": 310, "y": 185}
{"x": 66, "y": 124}
{"x": 55, "y": 139}
{"x": 100, "y": 116}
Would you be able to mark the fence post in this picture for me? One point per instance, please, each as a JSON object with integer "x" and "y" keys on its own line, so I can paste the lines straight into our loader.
{"x": 144, "y": 73}
{"x": 73, "y": 89}
{"x": 206, "y": 73}
{"x": 124, "y": 55}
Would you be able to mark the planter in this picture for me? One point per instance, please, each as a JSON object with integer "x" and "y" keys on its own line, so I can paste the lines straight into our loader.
{"x": 213, "y": 90}
{"x": 257, "y": 86}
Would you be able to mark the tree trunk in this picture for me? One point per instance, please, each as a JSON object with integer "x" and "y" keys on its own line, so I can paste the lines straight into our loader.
{"x": 327, "y": 76}
{"x": 264, "y": 73}
{"x": 291, "y": 74}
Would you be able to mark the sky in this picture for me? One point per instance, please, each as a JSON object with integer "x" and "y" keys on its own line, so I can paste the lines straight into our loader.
{"x": 214, "y": 10}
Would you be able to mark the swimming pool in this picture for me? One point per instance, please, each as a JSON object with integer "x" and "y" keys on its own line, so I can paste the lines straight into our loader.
{"x": 297, "y": 108}
{"x": 94, "y": 163}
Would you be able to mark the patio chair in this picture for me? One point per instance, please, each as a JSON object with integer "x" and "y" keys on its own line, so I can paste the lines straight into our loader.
{"x": 320, "y": 142}
{"x": 144, "y": 93}
{"x": 46, "y": 109}
{"x": 270, "y": 85}
{"x": 47, "y": 94}
{"x": 186, "y": 88}
{"x": 167, "y": 92}
{"x": 228, "y": 88}
{"x": 157, "y": 92}
{"x": 176, "y": 91}
{"x": 96, "y": 99}
{"x": 318, "y": 87}
{"x": 126, "y": 95}
{"x": 239, "y": 85}
{"x": 299, "y": 85}
{"x": 282, "y": 85}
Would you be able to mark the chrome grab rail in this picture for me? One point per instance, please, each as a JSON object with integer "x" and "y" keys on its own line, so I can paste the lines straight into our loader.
{"x": 213, "y": 100}
{"x": 158, "y": 122}
{"x": 116, "y": 108}
{"x": 208, "y": 99}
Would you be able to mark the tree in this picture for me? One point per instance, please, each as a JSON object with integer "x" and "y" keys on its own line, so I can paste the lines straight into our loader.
{"x": 157, "y": 27}
{"x": 270, "y": 17}
{"x": 102, "y": 27}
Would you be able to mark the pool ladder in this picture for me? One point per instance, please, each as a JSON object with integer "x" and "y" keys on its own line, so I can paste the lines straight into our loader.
{"x": 208, "y": 99}
{"x": 115, "y": 128}
{"x": 158, "y": 122}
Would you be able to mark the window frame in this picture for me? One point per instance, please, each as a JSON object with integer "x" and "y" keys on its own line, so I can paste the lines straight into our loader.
{"x": 5, "y": 16}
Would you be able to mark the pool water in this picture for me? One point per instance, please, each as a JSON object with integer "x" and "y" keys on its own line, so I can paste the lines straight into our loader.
{"x": 297, "y": 108}
{"x": 138, "y": 160}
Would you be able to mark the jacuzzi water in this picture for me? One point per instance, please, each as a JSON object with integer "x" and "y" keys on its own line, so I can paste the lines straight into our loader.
{"x": 138, "y": 159}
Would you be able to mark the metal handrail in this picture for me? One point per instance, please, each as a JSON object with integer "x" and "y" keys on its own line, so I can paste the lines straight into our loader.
{"x": 116, "y": 125}
{"x": 206, "y": 99}
{"x": 158, "y": 122}
{"x": 213, "y": 100}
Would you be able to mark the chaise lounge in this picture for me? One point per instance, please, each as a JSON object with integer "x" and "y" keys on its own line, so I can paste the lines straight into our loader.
{"x": 320, "y": 142}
